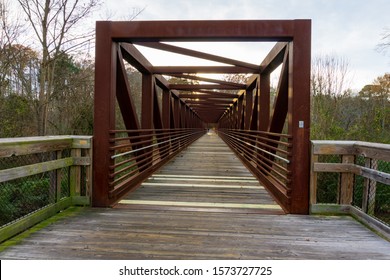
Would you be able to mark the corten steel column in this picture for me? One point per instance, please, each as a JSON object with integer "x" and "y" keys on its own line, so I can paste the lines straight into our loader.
{"x": 299, "y": 115}
{"x": 104, "y": 112}
{"x": 248, "y": 108}
{"x": 264, "y": 102}
{"x": 166, "y": 109}
{"x": 147, "y": 111}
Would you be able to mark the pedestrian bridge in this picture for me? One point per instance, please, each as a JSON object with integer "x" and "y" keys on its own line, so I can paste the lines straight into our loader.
{"x": 208, "y": 169}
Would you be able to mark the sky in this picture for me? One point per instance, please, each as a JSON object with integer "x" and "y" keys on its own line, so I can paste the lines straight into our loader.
{"x": 350, "y": 29}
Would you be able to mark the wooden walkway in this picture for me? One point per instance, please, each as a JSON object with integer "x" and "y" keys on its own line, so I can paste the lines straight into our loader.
{"x": 202, "y": 205}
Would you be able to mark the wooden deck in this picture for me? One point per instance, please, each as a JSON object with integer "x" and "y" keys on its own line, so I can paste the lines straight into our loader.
{"x": 202, "y": 205}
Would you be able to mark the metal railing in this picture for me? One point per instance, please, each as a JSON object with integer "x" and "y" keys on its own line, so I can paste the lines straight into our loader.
{"x": 136, "y": 154}
{"x": 267, "y": 155}
{"x": 40, "y": 176}
{"x": 353, "y": 177}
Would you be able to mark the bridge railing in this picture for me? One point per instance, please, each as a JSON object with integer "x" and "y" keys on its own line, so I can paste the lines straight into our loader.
{"x": 352, "y": 177}
{"x": 136, "y": 154}
{"x": 267, "y": 155}
{"x": 40, "y": 176}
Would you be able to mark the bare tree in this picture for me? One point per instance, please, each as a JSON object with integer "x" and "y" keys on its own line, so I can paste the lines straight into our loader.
{"x": 55, "y": 25}
{"x": 329, "y": 84}
{"x": 10, "y": 30}
{"x": 385, "y": 42}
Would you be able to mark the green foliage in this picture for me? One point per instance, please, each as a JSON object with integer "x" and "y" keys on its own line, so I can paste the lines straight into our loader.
{"x": 15, "y": 116}
{"x": 21, "y": 198}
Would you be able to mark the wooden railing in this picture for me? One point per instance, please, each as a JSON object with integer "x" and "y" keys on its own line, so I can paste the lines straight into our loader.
{"x": 362, "y": 181}
{"x": 267, "y": 155}
{"x": 40, "y": 176}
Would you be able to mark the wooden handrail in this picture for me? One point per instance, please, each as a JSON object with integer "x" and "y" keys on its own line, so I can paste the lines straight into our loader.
{"x": 348, "y": 169}
{"x": 79, "y": 156}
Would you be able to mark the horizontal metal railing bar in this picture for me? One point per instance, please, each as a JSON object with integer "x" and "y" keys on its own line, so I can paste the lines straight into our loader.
{"x": 151, "y": 130}
{"x": 265, "y": 133}
{"x": 163, "y": 154}
{"x": 149, "y": 146}
{"x": 282, "y": 185}
{"x": 161, "y": 132}
{"x": 255, "y": 158}
{"x": 114, "y": 184}
{"x": 266, "y": 145}
{"x": 286, "y": 144}
{"x": 264, "y": 151}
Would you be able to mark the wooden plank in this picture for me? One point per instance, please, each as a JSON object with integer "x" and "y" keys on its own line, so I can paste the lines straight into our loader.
{"x": 373, "y": 150}
{"x": 29, "y": 170}
{"x": 336, "y": 167}
{"x": 26, "y": 222}
{"x": 347, "y": 182}
{"x": 152, "y": 234}
{"x": 333, "y": 147}
{"x": 375, "y": 175}
{"x": 32, "y": 145}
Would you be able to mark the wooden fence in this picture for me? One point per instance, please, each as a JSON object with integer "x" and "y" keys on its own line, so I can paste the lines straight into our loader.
{"x": 357, "y": 167}
{"x": 63, "y": 162}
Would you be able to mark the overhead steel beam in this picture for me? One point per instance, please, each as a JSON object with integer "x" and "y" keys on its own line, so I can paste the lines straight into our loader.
{"x": 204, "y": 86}
{"x": 167, "y": 70}
{"x": 201, "y": 30}
{"x": 201, "y": 55}
{"x": 133, "y": 56}
{"x": 215, "y": 81}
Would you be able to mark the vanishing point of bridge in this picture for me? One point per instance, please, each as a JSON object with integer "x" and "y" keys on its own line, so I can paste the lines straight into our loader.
{"x": 208, "y": 169}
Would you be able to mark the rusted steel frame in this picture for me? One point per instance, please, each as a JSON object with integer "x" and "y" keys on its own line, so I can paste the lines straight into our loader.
{"x": 219, "y": 93}
{"x": 279, "y": 113}
{"x": 164, "y": 134}
{"x": 176, "y": 112}
{"x": 104, "y": 111}
{"x": 133, "y": 56}
{"x": 248, "y": 108}
{"x": 216, "y": 30}
{"x": 240, "y": 107}
{"x": 125, "y": 101}
{"x": 148, "y": 107}
{"x": 157, "y": 119}
{"x": 205, "y": 86}
{"x": 250, "y": 139}
{"x": 201, "y": 55}
{"x": 122, "y": 146}
{"x": 255, "y": 111}
{"x": 261, "y": 136}
{"x": 167, "y": 70}
{"x": 273, "y": 59}
{"x": 150, "y": 155}
{"x": 132, "y": 183}
{"x": 113, "y": 131}
{"x": 247, "y": 152}
{"x": 264, "y": 100}
{"x": 280, "y": 192}
{"x": 203, "y": 79}
{"x": 299, "y": 115}
{"x": 166, "y": 110}
{"x": 207, "y": 95}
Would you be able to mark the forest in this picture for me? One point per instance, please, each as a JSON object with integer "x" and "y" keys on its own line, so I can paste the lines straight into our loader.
{"x": 47, "y": 87}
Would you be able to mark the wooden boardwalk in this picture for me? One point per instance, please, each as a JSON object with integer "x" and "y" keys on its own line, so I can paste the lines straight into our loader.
{"x": 202, "y": 205}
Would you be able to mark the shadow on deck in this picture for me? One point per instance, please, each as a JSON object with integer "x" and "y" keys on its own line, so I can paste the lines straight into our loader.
{"x": 204, "y": 204}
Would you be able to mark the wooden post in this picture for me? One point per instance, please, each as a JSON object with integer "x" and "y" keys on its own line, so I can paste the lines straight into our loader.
{"x": 347, "y": 182}
{"x": 58, "y": 180}
{"x": 313, "y": 179}
{"x": 75, "y": 175}
{"x": 369, "y": 190}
